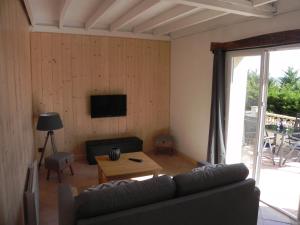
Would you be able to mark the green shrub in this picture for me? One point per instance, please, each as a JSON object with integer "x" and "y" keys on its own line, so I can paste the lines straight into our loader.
{"x": 283, "y": 94}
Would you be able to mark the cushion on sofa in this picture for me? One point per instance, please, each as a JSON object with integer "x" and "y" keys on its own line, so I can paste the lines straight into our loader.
{"x": 95, "y": 203}
{"x": 109, "y": 184}
{"x": 209, "y": 177}
{"x": 207, "y": 167}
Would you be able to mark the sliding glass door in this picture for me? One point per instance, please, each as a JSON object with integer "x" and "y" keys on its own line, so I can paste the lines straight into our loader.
{"x": 246, "y": 88}
{"x": 279, "y": 179}
{"x": 259, "y": 134}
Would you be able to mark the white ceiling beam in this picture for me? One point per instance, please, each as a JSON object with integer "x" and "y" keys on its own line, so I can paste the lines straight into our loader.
{"x": 257, "y": 3}
{"x": 249, "y": 3}
{"x": 239, "y": 2}
{"x": 132, "y": 14}
{"x": 96, "y": 32}
{"x": 265, "y": 5}
{"x": 224, "y": 6}
{"x": 66, "y": 4}
{"x": 28, "y": 7}
{"x": 262, "y": 6}
{"x": 200, "y": 17}
{"x": 99, "y": 12}
{"x": 167, "y": 16}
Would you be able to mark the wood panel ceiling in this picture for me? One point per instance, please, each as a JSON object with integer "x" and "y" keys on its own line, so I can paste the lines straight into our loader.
{"x": 151, "y": 19}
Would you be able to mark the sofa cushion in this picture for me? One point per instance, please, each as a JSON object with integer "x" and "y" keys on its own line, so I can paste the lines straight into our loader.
{"x": 207, "y": 167}
{"x": 109, "y": 184}
{"x": 95, "y": 203}
{"x": 209, "y": 177}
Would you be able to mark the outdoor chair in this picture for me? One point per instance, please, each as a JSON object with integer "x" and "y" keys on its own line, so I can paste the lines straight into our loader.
{"x": 269, "y": 146}
{"x": 295, "y": 136}
{"x": 270, "y": 149}
{"x": 295, "y": 147}
{"x": 293, "y": 141}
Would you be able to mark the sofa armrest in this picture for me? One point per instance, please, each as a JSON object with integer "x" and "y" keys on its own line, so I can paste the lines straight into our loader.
{"x": 66, "y": 211}
{"x": 257, "y": 192}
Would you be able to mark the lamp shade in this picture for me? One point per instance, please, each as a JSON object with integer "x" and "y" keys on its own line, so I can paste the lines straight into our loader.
{"x": 49, "y": 121}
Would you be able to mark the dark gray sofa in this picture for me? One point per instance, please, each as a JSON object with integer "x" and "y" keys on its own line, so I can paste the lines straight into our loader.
{"x": 211, "y": 196}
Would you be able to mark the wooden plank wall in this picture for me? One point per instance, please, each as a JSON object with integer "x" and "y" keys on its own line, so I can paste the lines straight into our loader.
{"x": 67, "y": 69}
{"x": 16, "y": 133}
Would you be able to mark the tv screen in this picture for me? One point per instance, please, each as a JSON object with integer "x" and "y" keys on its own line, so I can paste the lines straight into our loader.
{"x": 108, "y": 105}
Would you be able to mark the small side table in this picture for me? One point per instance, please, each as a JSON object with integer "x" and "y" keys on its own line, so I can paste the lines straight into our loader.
{"x": 58, "y": 161}
{"x": 164, "y": 143}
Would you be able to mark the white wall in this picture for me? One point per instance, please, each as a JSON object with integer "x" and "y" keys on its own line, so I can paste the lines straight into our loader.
{"x": 191, "y": 77}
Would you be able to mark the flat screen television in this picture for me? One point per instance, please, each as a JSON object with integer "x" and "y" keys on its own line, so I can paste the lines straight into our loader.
{"x": 108, "y": 105}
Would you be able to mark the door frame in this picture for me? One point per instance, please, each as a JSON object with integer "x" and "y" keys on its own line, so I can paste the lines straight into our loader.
{"x": 264, "y": 78}
{"x": 262, "y": 98}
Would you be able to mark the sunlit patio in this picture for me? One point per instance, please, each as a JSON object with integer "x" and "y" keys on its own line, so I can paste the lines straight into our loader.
{"x": 279, "y": 184}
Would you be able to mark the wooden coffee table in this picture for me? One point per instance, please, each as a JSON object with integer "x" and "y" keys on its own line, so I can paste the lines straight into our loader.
{"x": 125, "y": 168}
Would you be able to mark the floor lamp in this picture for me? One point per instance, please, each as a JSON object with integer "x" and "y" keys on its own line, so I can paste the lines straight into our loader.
{"x": 49, "y": 122}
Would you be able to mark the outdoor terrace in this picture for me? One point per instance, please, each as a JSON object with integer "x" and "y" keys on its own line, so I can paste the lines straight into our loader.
{"x": 279, "y": 183}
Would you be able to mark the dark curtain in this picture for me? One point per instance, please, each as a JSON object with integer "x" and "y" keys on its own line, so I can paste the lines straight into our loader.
{"x": 216, "y": 141}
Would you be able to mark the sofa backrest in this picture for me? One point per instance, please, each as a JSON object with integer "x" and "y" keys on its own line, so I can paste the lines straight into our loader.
{"x": 208, "y": 177}
{"x": 233, "y": 204}
{"x": 209, "y": 190}
{"x": 95, "y": 203}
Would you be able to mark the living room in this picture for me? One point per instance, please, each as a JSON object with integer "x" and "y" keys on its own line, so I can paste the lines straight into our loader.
{"x": 159, "y": 63}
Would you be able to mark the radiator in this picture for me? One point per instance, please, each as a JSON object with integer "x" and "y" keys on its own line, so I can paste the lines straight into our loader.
{"x": 31, "y": 196}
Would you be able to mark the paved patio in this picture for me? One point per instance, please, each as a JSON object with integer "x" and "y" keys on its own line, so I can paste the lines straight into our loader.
{"x": 279, "y": 185}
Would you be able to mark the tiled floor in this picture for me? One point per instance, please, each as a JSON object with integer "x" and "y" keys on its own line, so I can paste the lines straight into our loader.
{"x": 86, "y": 175}
{"x": 279, "y": 185}
{"x": 269, "y": 216}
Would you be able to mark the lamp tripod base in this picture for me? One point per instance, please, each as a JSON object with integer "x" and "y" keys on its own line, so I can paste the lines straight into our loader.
{"x": 50, "y": 134}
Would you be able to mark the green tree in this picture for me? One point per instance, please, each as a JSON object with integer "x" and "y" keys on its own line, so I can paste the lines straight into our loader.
{"x": 284, "y": 94}
{"x": 253, "y": 83}
{"x": 273, "y": 83}
{"x": 290, "y": 78}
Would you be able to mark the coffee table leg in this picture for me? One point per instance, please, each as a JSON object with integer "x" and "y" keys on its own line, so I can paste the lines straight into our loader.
{"x": 155, "y": 174}
{"x": 101, "y": 176}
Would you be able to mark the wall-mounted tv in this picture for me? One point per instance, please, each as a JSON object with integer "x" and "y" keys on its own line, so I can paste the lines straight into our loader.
{"x": 108, "y": 105}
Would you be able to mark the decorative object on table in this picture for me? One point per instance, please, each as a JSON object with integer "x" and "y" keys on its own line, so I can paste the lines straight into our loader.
{"x": 164, "y": 143}
{"x": 114, "y": 154}
{"x": 58, "y": 161}
{"x": 49, "y": 122}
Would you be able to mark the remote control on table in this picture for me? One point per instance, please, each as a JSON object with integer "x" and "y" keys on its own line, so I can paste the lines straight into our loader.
{"x": 136, "y": 160}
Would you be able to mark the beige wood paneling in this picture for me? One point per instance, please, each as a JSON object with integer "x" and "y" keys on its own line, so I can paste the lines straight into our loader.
{"x": 67, "y": 69}
{"x": 16, "y": 135}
